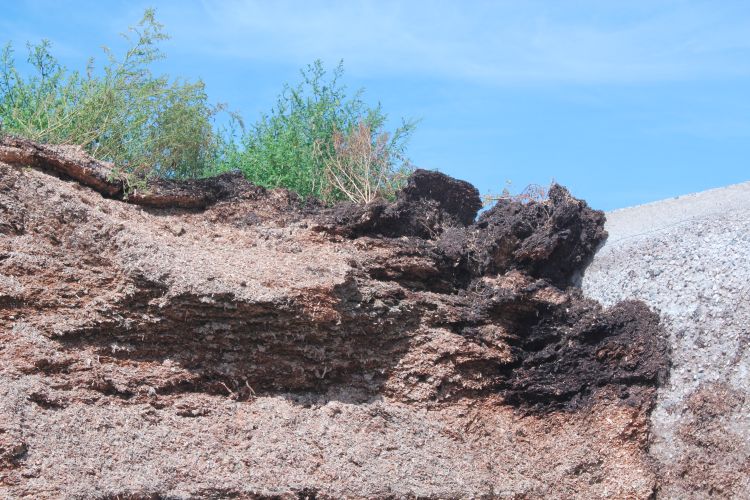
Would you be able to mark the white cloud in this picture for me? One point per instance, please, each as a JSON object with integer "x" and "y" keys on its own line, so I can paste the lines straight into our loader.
{"x": 483, "y": 42}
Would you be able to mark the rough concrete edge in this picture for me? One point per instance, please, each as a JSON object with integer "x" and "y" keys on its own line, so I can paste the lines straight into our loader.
{"x": 684, "y": 197}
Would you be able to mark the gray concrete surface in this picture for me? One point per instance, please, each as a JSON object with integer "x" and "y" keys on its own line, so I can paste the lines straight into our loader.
{"x": 689, "y": 258}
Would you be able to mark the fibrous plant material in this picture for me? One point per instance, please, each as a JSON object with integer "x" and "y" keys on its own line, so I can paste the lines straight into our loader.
{"x": 254, "y": 345}
{"x": 360, "y": 167}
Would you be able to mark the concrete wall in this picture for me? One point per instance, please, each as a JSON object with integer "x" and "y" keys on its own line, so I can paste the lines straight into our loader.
{"x": 689, "y": 258}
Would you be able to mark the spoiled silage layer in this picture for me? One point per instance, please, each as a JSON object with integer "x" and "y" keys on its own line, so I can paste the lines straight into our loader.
{"x": 110, "y": 311}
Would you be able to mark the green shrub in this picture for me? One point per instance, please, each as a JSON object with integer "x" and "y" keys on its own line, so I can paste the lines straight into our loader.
{"x": 312, "y": 142}
{"x": 146, "y": 124}
{"x": 295, "y": 145}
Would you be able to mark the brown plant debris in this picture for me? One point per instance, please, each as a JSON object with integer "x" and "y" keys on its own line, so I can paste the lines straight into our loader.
{"x": 212, "y": 339}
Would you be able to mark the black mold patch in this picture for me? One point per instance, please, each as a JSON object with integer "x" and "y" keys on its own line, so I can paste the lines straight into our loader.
{"x": 551, "y": 239}
{"x": 569, "y": 356}
{"x": 564, "y": 348}
{"x": 430, "y": 203}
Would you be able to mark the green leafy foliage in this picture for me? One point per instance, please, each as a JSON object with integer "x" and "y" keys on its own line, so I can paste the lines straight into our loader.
{"x": 317, "y": 140}
{"x": 294, "y": 145}
{"x": 145, "y": 124}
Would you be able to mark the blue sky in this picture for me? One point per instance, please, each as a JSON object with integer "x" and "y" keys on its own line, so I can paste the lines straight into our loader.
{"x": 624, "y": 102}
